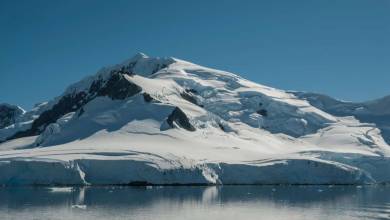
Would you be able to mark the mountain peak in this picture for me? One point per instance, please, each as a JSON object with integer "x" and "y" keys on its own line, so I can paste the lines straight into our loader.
{"x": 139, "y": 56}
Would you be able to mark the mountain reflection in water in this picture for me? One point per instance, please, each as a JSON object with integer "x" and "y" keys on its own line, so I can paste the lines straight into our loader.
{"x": 186, "y": 202}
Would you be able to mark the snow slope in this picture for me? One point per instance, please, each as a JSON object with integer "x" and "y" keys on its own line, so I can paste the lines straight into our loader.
{"x": 168, "y": 121}
{"x": 375, "y": 111}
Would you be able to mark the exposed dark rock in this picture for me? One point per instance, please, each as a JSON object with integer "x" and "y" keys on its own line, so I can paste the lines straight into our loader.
{"x": 262, "y": 112}
{"x": 66, "y": 104}
{"x": 95, "y": 87}
{"x": 147, "y": 97}
{"x": 189, "y": 96}
{"x": 221, "y": 127}
{"x": 8, "y": 114}
{"x": 128, "y": 70}
{"x": 117, "y": 87}
{"x": 193, "y": 91}
{"x": 181, "y": 119}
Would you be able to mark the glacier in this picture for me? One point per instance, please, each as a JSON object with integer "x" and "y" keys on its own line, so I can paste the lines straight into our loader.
{"x": 151, "y": 120}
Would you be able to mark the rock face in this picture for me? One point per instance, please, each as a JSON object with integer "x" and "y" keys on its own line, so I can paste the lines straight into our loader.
{"x": 9, "y": 114}
{"x": 148, "y": 98}
{"x": 189, "y": 95}
{"x": 179, "y": 118}
{"x": 117, "y": 87}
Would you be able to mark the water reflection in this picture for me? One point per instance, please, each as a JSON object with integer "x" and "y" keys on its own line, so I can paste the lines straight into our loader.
{"x": 225, "y": 202}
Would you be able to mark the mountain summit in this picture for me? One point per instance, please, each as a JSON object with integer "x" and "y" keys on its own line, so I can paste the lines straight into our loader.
{"x": 168, "y": 121}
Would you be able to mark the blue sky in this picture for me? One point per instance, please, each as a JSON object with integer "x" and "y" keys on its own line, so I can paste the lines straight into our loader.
{"x": 337, "y": 47}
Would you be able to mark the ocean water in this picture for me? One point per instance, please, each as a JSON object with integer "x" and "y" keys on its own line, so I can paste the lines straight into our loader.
{"x": 196, "y": 202}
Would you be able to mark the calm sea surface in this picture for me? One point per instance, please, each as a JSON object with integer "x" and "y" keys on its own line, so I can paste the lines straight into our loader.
{"x": 185, "y": 202}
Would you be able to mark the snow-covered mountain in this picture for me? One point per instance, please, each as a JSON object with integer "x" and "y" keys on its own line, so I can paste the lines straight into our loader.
{"x": 168, "y": 121}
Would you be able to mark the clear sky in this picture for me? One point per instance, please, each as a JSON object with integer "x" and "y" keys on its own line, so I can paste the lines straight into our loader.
{"x": 337, "y": 47}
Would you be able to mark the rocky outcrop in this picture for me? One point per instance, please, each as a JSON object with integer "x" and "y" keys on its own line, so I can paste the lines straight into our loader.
{"x": 8, "y": 114}
{"x": 148, "y": 98}
{"x": 190, "y": 96}
{"x": 117, "y": 87}
{"x": 179, "y": 118}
